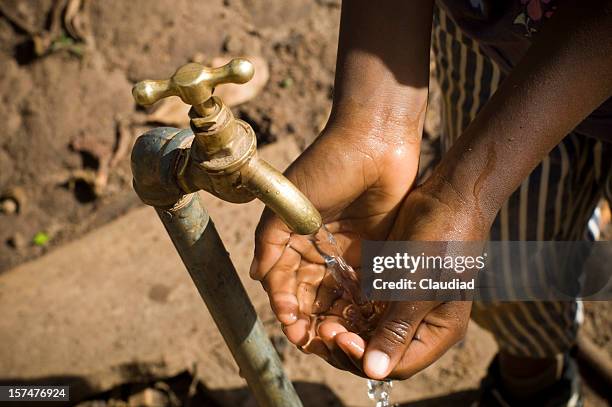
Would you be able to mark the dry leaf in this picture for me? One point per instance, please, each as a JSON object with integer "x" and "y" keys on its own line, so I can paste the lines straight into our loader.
{"x": 76, "y": 20}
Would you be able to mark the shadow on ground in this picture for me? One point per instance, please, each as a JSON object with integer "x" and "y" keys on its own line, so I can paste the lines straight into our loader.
{"x": 186, "y": 391}
{"x": 460, "y": 398}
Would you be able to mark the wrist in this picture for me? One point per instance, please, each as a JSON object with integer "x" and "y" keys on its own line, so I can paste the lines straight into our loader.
{"x": 391, "y": 118}
{"x": 478, "y": 213}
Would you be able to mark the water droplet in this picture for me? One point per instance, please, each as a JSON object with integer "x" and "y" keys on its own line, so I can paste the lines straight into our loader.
{"x": 378, "y": 391}
{"x": 361, "y": 315}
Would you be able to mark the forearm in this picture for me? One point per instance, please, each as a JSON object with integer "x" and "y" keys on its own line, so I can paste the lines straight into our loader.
{"x": 382, "y": 70}
{"x": 566, "y": 74}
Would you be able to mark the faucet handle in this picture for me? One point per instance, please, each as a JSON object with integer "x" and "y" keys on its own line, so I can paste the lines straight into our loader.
{"x": 193, "y": 82}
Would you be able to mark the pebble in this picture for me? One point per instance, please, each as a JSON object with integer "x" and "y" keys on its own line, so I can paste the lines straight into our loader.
{"x": 148, "y": 397}
{"x": 8, "y": 206}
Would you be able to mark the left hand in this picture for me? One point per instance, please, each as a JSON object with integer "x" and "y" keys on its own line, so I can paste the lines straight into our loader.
{"x": 411, "y": 335}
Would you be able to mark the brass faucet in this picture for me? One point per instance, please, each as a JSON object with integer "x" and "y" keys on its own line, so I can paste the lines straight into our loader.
{"x": 222, "y": 158}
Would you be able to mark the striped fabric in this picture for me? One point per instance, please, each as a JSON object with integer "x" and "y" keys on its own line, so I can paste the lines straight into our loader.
{"x": 554, "y": 203}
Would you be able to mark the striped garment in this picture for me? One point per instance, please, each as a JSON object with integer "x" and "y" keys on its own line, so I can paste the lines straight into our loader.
{"x": 555, "y": 202}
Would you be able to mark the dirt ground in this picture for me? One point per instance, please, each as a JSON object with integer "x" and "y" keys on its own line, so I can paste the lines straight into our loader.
{"x": 69, "y": 118}
{"x": 66, "y": 112}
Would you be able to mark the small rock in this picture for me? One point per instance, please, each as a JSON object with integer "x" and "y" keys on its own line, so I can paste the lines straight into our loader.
{"x": 159, "y": 293}
{"x": 8, "y": 206}
{"x": 13, "y": 201}
{"x": 149, "y": 398}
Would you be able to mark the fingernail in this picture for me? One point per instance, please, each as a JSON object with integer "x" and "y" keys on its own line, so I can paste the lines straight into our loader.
{"x": 357, "y": 347}
{"x": 377, "y": 363}
{"x": 287, "y": 318}
{"x": 285, "y": 306}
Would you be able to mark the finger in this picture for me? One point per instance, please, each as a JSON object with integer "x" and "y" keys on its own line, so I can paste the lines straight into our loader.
{"x": 392, "y": 337}
{"x": 306, "y": 295}
{"x": 271, "y": 238}
{"x": 317, "y": 347}
{"x": 281, "y": 285}
{"x": 352, "y": 345}
{"x": 337, "y": 359}
{"x": 328, "y": 292}
{"x": 309, "y": 276}
{"x": 307, "y": 249}
{"x": 328, "y": 329}
{"x": 343, "y": 364}
{"x": 298, "y": 333}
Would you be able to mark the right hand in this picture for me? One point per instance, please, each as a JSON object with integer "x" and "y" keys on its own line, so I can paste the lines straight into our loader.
{"x": 356, "y": 175}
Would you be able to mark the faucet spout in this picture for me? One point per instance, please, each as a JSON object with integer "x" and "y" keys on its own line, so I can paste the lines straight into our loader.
{"x": 280, "y": 195}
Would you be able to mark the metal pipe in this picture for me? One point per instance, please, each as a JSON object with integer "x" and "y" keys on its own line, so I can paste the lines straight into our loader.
{"x": 201, "y": 249}
{"x": 155, "y": 157}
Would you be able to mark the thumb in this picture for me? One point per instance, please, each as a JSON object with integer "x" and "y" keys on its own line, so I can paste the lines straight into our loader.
{"x": 271, "y": 238}
{"x": 392, "y": 336}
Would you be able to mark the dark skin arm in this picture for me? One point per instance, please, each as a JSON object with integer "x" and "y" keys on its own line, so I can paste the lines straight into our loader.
{"x": 380, "y": 77}
{"x": 358, "y": 171}
{"x": 375, "y": 126}
{"x": 565, "y": 75}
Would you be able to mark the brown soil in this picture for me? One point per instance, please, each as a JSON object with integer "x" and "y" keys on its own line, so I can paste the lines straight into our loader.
{"x": 65, "y": 113}
{"x": 51, "y": 103}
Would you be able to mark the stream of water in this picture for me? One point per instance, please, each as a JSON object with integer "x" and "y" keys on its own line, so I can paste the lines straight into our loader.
{"x": 361, "y": 314}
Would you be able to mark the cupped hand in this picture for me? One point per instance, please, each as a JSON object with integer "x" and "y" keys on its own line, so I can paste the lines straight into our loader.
{"x": 409, "y": 336}
{"x": 356, "y": 175}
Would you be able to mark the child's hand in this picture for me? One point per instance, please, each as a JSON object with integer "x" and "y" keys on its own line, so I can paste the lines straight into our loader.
{"x": 357, "y": 179}
{"x": 412, "y": 335}
{"x": 360, "y": 169}
{"x": 409, "y": 336}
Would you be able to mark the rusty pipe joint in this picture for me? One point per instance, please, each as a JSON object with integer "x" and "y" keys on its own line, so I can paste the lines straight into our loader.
{"x": 155, "y": 156}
